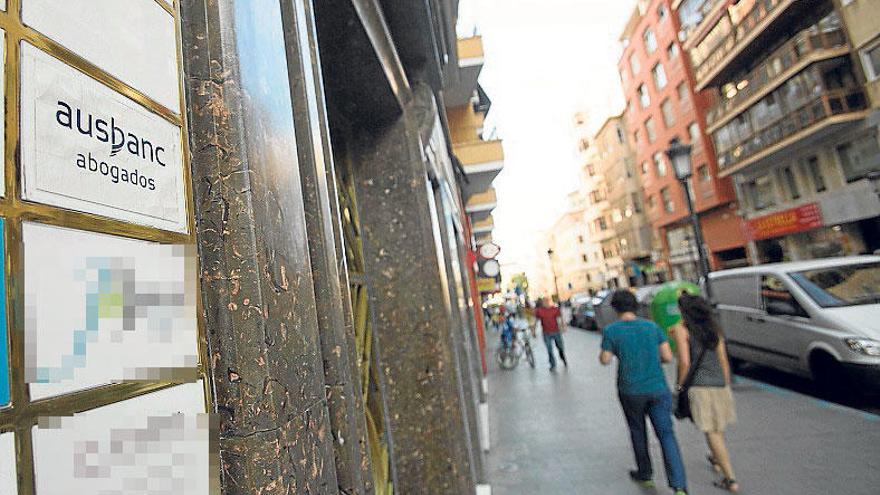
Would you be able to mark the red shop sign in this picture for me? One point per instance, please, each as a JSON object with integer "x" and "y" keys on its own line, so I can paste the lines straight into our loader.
{"x": 798, "y": 219}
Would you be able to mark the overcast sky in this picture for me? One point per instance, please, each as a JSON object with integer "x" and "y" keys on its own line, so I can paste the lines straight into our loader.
{"x": 544, "y": 61}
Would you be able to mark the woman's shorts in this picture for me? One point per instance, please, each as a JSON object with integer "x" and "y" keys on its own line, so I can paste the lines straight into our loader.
{"x": 712, "y": 408}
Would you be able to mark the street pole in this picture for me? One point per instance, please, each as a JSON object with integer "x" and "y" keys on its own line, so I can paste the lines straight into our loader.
{"x": 680, "y": 156}
{"x": 553, "y": 270}
{"x": 698, "y": 238}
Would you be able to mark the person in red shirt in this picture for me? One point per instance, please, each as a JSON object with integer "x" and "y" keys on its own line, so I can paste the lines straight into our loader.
{"x": 551, "y": 323}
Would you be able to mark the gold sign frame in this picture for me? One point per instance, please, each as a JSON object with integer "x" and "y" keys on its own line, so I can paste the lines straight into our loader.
{"x": 21, "y": 414}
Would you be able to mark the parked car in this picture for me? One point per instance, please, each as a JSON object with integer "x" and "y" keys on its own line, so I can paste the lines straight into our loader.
{"x": 605, "y": 314}
{"x": 818, "y": 318}
{"x": 583, "y": 316}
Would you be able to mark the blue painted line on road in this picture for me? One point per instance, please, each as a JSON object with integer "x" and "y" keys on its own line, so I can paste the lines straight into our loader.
{"x": 819, "y": 402}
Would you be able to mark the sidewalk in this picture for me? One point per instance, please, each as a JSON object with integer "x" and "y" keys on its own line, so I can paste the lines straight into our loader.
{"x": 564, "y": 433}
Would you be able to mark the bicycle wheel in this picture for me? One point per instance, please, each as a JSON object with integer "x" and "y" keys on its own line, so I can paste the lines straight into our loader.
{"x": 507, "y": 359}
{"x": 530, "y": 356}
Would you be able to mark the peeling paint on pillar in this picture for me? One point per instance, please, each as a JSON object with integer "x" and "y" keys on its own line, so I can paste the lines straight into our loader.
{"x": 257, "y": 287}
{"x": 342, "y": 389}
{"x": 412, "y": 323}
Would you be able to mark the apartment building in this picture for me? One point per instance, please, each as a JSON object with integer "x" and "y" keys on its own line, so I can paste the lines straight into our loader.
{"x": 627, "y": 249}
{"x": 566, "y": 246}
{"x": 795, "y": 118}
{"x": 662, "y": 106}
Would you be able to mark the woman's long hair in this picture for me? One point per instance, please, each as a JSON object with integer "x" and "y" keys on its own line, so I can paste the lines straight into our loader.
{"x": 699, "y": 318}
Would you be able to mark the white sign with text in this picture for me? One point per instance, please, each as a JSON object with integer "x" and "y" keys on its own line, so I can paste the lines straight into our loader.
{"x": 152, "y": 444}
{"x": 102, "y": 309}
{"x": 134, "y": 40}
{"x": 88, "y": 148}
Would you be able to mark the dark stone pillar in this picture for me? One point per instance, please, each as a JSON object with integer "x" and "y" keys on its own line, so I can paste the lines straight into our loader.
{"x": 344, "y": 397}
{"x": 409, "y": 303}
{"x": 256, "y": 284}
{"x": 458, "y": 337}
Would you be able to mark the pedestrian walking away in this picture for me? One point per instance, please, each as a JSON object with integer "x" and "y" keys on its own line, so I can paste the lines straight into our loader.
{"x": 551, "y": 328}
{"x": 640, "y": 346}
{"x": 702, "y": 355}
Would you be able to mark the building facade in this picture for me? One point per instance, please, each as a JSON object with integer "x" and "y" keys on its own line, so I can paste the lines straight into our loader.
{"x": 795, "y": 121}
{"x": 662, "y": 106}
{"x": 565, "y": 247}
{"x": 269, "y": 271}
{"x": 627, "y": 250}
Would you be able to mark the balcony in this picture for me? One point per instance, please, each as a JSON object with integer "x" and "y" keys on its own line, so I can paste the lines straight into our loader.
{"x": 480, "y": 206}
{"x": 826, "y": 112}
{"x": 470, "y": 63}
{"x": 483, "y": 227}
{"x": 807, "y": 47}
{"x": 733, "y": 43}
{"x": 482, "y": 162}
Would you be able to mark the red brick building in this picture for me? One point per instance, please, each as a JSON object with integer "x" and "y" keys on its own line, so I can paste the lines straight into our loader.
{"x": 662, "y": 106}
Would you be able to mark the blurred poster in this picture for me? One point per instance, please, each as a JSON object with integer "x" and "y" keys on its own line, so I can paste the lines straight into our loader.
{"x": 154, "y": 444}
{"x": 102, "y": 309}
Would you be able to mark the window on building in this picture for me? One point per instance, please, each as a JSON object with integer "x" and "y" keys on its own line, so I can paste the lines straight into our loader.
{"x": 637, "y": 137}
{"x": 661, "y": 13}
{"x": 660, "y": 164}
{"x": 859, "y": 157}
{"x": 601, "y": 224}
{"x": 682, "y": 91}
{"x": 634, "y": 64}
{"x": 581, "y": 239}
{"x": 650, "y": 201}
{"x": 628, "y": 167}
{"x": 591, "y": 169}
{"x": 694, "y": 133}
{"x": 584, "y": 144}
{"x": 871, "y": 60}
{"x": 644, "y": 96}
{"x": 636, "y": 202}
{"x": 650, "y": 131}
{"x": 761, "y": 193}
{"x": 672, "y": 51}
{"x": 597, "y": 195}
{"x": 650, "y": 41}
{"x": 668, "y": 204}
{"x": 584, "y": 258}
{"x": 659, "y": 76}
{"x": 644, "y": 168}
{"x": 790, "y": 183}
{"x": 668, "y": 113}
{"x": 620, "y": 135}
{"x": 814, "y": 172}
{"x": 703, "y": 173}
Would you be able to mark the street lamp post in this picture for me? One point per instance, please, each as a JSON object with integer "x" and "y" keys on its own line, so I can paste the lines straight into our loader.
{"x": 553, "y": 270}
{"x": 680, "y": 156}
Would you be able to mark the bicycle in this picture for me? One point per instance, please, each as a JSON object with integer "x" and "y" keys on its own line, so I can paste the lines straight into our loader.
{"x": 508, "y": 355}
{"x": 527, "y": 347}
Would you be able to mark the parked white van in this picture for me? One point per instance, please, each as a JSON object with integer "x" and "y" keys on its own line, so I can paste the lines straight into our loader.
{"x": 818, "y": 318}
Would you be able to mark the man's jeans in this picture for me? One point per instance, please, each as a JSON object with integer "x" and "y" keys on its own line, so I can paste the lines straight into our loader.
{"x": 549, "y": 339}
{"x": 659, "y": 408}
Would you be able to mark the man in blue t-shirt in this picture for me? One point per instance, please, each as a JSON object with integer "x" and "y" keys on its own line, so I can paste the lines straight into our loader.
{"x": 640, "y": 346}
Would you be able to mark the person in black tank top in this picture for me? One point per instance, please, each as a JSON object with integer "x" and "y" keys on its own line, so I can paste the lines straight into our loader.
{"x": 698, "y": 334}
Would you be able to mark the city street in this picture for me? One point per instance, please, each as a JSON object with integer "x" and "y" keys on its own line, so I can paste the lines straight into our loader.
{"x": 564, "y": 433}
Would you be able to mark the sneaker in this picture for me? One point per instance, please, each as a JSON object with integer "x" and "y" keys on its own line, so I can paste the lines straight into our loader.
{"x": 680, "y": 491}
{"x": 643, "y": 482}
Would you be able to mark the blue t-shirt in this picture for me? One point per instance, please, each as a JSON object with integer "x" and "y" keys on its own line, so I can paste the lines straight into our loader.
{"x": 636, "y": 344}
